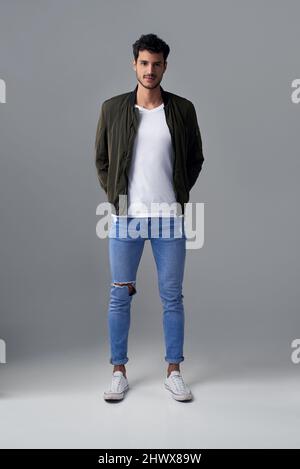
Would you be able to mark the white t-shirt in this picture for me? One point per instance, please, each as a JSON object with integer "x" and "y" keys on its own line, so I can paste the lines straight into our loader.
{"x": 150, "y": 177}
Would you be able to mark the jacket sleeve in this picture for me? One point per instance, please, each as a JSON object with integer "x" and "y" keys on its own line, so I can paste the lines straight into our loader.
{"x": 101, "y": 150}
{"x": 194, "y": 155}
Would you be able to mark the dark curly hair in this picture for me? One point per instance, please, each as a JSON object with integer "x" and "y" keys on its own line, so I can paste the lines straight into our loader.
{"x": 151, "y": 43}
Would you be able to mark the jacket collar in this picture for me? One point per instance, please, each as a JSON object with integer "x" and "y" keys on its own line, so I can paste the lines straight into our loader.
{"x": 132, "y": 96}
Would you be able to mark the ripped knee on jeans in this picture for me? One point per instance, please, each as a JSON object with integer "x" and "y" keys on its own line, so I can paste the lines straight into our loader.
{"x": 130, "y": 285}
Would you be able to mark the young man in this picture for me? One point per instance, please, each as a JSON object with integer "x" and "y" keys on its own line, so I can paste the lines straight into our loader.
{"x": 149, "y": 151}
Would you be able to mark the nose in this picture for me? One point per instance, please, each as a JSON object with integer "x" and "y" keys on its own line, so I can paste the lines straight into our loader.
{"x": 150, "y": 70}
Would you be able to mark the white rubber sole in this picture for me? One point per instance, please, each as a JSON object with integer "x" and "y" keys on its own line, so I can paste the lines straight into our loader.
{"x": 179, "y": 397}
{"x": 115, "y": 396}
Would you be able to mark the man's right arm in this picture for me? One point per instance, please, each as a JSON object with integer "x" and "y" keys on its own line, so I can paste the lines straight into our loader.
{"x": 101, "y": 149}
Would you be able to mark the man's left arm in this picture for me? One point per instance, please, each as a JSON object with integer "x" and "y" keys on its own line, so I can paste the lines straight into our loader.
{"x": 194, "y": 155}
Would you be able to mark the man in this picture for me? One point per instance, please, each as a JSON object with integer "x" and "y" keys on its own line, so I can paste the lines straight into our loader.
{"x": 148, "y": 156}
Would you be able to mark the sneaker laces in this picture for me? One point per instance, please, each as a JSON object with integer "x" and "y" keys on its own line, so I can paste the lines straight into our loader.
{"x": 116, "y": 380}
{"x": 179, "y": 383}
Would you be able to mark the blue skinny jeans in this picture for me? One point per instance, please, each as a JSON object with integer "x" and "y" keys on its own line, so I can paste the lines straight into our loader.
{"x": 168, "y": 243}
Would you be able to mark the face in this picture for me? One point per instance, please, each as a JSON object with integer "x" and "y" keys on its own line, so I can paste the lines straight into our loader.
{"x": 149, "y": 65}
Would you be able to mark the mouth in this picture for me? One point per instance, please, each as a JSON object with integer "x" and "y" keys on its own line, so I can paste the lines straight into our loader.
{"x": 150, "y": 78}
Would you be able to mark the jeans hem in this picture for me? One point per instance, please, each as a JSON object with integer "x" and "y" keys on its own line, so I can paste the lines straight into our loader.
{"x": 174, "y": 360}
{"x": 118, "y": 362}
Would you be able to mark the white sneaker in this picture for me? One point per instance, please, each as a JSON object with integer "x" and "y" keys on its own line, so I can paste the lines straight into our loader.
{"x": 119, "y": 385}
{"x": 179, "y": 390}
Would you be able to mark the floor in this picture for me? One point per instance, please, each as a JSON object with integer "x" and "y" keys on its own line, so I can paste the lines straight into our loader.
{"x": 58, "y": 403}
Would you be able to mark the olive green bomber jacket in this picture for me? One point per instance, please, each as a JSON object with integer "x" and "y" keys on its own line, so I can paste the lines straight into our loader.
{"x": 116, "y": 129}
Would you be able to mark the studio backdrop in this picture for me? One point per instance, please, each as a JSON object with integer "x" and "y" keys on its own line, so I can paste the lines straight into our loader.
{"x": 238, "y": 62}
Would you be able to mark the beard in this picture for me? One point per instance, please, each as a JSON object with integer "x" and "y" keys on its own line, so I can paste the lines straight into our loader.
{"x": 149, "y": 85}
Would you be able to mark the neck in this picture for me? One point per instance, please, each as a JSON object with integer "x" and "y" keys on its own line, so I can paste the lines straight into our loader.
{"x": 148, "y": 98}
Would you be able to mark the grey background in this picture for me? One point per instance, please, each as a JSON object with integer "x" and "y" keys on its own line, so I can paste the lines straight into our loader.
{"x": 236, "y": 61}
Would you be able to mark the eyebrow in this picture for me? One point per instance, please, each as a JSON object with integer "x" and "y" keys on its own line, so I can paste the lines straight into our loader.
{"x": 159, "y": 62}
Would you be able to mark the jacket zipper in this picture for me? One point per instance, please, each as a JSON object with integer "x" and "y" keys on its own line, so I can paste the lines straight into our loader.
{"x": 173, "y": 149}
{"x": 128, "y": 159}
{"x": 173, "y": 181}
